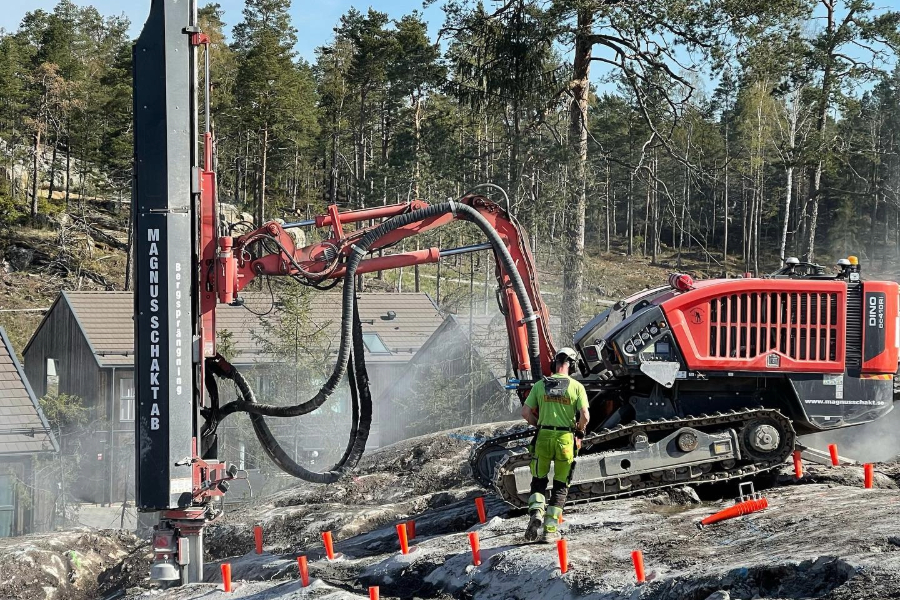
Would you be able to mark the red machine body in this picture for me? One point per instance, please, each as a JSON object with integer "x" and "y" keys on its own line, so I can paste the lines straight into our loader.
{"x": 761, "y": 325}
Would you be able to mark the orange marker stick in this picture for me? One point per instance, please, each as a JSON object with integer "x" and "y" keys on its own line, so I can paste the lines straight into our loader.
{"x": 563, "y": 552}
{"x": 374, "y": 593}
{"x": 482, "y": 514}
{"x": 304, "y": 571}
{"x": 869, "y": 470}
{"x": 404, "y": 542}
{"x": 832, "y": 449}
{"x": 798, "y": 465}
{"x": 329, "y": 544}
{"x": 476, "y": 548}
{"x": 226, "y": 577}
{"x": 257, "y": 535}
{"x": 637, "y": 557}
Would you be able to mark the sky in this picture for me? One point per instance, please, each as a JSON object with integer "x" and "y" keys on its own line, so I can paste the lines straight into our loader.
{"x": 314, "y": 19}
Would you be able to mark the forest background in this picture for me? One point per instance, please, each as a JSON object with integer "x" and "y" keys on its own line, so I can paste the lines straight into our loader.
{"x": 727, "y": 134}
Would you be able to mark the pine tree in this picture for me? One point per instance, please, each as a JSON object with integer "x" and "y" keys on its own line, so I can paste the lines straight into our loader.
{"x": 270, "y": 84}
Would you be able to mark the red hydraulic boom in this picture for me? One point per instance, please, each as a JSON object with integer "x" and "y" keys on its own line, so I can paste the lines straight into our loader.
{"x": 238, "y": 261}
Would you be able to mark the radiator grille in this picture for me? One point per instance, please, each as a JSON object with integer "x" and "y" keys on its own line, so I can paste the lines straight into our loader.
{"x": 800, "y": 325}
{"x": 854, "y": 326}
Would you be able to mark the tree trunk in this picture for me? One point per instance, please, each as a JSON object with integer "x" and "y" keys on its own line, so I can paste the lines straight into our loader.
{"x": 417, "y": 128}
{"x": 361, "y": 148}
{"x": 821, "y": 120}
{"x": 53, "y": 168}
{"x": 725, "y": 206}
{"x": 416, "y": 272}
{"x": 787, "y": 210}
{"x": 295, "y": 183}
{"x": 264, "y": 152}
{"x": 608, "y": 193}
{"x": 129, "y": 254}
{"x": 814, "y": 216}
{"x": 34, "y": 173}
{"x": 573, "y": 276}
{"x": 68, "y": 165}
{"x": 630, "y": 216}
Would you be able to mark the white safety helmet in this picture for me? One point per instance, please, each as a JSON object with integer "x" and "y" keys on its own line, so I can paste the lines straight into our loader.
{"x": 567, "y": 353}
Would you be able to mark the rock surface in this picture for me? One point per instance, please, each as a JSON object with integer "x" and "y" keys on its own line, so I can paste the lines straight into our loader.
{"x": 823, "y": 537}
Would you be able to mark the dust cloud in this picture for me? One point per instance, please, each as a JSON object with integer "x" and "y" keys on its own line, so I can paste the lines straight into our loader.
{"x": 873, "y": 442}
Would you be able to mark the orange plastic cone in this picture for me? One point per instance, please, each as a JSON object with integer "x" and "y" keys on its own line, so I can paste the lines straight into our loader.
{"x": 798, "y": 465}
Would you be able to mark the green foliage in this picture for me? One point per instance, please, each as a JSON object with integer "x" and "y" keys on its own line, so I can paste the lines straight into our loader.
{"x": 225, "y": 343}
{"x": 64, "y": 411}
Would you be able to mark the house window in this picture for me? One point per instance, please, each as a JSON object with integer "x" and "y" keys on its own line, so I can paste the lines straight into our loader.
{"x": 7, "y": 505}
{"x": 374, "y": 344}
{"x": 51, "y": 383}
{"x": 262, "y": 387}
{"x": 126, "y": 399}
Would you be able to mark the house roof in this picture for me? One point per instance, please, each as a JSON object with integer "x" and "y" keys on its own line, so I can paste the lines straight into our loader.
{"x": 23, "y": 428}
{"x": 106, "y": 318}
{"x": 415, "y": 319}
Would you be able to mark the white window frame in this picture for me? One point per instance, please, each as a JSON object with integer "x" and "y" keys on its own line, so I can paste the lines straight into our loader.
{"x": 126, "y": 399}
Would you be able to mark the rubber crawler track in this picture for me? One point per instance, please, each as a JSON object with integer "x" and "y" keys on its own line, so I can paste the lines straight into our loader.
{"x": 517, "y": 455}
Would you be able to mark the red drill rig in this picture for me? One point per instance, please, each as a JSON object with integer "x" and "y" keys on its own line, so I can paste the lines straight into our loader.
{"x": 689, "y": 383}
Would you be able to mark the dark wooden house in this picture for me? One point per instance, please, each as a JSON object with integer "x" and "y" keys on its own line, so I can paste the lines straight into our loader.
{"x": 26, "y": 503}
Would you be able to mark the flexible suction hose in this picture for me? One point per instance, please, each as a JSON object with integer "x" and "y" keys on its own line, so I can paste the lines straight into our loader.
{"x": 361, "y": 421}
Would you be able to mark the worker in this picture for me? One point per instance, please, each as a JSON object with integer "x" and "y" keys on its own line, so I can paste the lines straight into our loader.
{"x": 553, "y": 405}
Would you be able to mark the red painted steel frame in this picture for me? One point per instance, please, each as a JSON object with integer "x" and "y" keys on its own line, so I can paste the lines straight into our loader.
{"x": 689, "y": 316}
{"x": 235, "y": 270}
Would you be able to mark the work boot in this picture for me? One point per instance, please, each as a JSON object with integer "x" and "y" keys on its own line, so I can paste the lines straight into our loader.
{"x": 536, "y": 505}
{"x": 551, "y": 525}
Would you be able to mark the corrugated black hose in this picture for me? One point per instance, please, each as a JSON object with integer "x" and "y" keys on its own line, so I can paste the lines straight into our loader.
{"x": 361, "y": 421}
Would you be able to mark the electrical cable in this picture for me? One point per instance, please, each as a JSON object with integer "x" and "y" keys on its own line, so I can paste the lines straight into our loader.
{"x": 271, "y": 301}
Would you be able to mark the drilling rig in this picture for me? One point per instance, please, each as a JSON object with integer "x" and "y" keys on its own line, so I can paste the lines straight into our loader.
{"x": 693, "y": 382}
